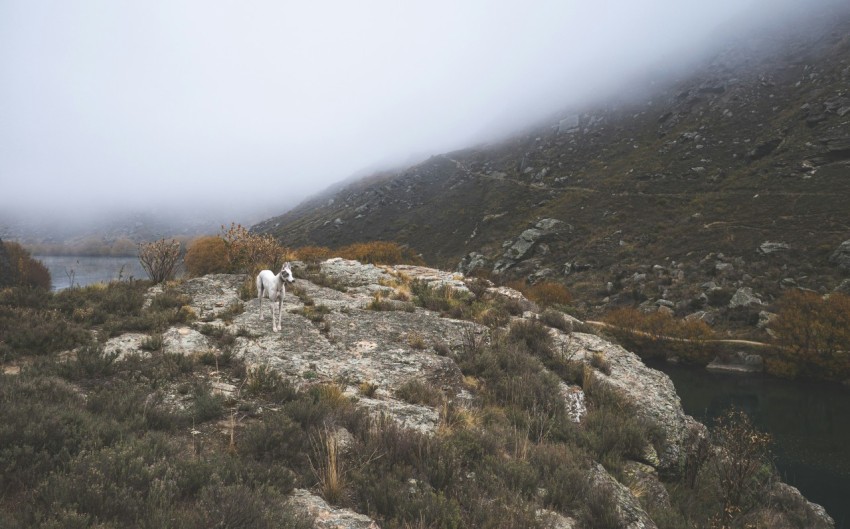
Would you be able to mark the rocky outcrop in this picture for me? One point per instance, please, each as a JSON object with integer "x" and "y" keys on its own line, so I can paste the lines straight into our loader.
{"x": 340, "y": 340}
{"x": 651, "y": 392}
{"x": 520, "y": 248}
{"x": 768, "y": 247}
{"x": 326, "y": 517}
{"x": 332, "y": 335}
{"x": 353, "y": 274}
{"x": 841, "y": 256}
{"x": 738, "y": 363}
{"x": 744, "y": 297}
{"x": 792, "y": 502}
{"x": 471, "y": 262}
{"x": 629, "y": 510}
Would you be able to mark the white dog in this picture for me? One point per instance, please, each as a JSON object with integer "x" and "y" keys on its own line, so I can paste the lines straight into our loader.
{"x": 273, "y": 287}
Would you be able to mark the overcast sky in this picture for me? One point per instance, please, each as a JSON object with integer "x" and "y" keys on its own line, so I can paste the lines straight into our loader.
{"x": 232, "y": 104}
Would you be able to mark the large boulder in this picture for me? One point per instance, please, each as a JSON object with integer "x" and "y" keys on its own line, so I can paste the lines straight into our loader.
{"x": 841, "y": 256}
{"x": 325, "y": 516}
{"x": 744, "y": 297}
{"x": 768, "y": 247}
{"x": 521, "y": 247}
{"x": 471, "y": 262}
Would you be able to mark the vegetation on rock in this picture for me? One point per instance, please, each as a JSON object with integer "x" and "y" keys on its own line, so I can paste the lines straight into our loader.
{"x": 159, "y": 438}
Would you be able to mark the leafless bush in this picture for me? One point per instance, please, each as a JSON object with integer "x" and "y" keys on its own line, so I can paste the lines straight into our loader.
{"x": 160, "y": 259}
{"x": 251, "y": 252}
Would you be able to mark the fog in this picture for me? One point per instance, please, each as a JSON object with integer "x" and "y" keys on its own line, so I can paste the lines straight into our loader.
{"x": 238, "y": 107}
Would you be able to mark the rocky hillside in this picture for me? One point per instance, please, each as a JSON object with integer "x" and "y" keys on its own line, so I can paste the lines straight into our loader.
{"x": 733, "y": 177}
{"x": 356, "y": 327}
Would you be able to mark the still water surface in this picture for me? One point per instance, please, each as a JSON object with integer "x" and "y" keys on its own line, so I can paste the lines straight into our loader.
{"x": 809, "y": 422}
{"x": 89, "y": 270}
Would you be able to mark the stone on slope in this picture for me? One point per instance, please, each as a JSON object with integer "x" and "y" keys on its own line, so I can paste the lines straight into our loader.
{"x": 326, "y": 517}
{"x": 744, "y": 297}
{"x": 213, "y": 294}
{"x": 841, "y": 256}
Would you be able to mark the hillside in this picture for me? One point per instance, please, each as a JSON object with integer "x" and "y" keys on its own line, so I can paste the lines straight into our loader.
{"x": 381, "y": 394}
{"x": 735, "y": 176}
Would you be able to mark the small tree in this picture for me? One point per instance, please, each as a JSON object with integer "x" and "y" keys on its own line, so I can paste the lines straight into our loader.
{"x": 159, "y": 259}
{"x": 742, "y": 463}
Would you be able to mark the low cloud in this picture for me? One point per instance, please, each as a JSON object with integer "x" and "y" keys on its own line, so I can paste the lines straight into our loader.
{"x": 236, "y": 107}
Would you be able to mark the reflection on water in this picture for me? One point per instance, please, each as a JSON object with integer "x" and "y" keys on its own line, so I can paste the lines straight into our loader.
{"x": 809, "y": 422}
{"x": 88, "y": 270}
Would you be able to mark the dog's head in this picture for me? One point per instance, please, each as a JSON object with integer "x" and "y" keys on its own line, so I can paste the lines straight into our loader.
{"x": 286, "y": 273}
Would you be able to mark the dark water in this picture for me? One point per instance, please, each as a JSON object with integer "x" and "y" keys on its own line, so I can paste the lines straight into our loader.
{"x": 809, "y": 422}
{"x": 89, "y": 270}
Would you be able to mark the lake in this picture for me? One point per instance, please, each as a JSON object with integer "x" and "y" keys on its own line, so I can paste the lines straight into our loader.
{"x": 89, "y": 270}
{"x": 809, "y": 422}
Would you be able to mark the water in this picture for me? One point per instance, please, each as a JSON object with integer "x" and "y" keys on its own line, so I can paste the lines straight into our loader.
{"x": 89, "y": 270}
{"x": 809, "y": 422}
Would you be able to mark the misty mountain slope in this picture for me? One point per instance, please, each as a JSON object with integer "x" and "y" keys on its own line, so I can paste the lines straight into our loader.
{"x": 752, "y": 148}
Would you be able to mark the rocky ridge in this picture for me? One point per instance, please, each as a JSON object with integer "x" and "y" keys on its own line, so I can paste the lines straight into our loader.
{"x": 352, "y": 345}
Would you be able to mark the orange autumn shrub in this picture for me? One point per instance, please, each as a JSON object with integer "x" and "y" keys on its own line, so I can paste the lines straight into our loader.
{"x": 379, "y": 252}
{"x": 313, "y": 254}
{"x": 206, "y": 255}
{"x": 22, "y": 269}
{"x": 814, "y": 333}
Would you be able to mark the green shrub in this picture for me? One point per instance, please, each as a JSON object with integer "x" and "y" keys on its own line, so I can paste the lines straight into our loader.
{"x": 600, "y": 508}
{"x": 231, "y": 311}
{"x": 232, "y": 506}
{"x": 267, "y": 382}
{"x": 43, "y": 428}
{"x": 222, "y": 338}
{"x": 90, "y": 361}
{"x": 562, "y": 471}
{"x": 613, "y": 429}
{"x": 444, "y": 300}
{"x": 533, "y": 335}
{"x": 25, "y": 331}
{"x": 123, "y": 483}
{"x": 556, "y": 319}
{"x": 205, "y": 405}
{"x": 415, "y": 391}
{"x": 153, "y": 342}
{"x": 276, "y": 438}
